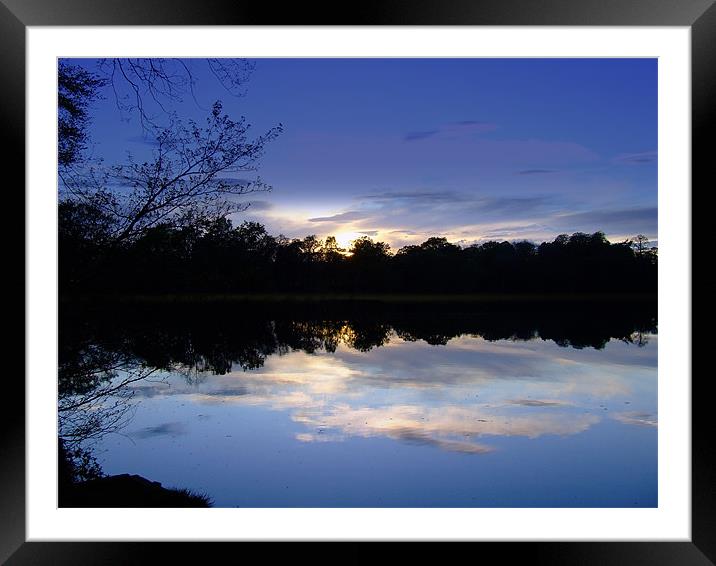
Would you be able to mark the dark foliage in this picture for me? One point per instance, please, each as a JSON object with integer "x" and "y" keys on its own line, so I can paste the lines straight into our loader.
{"x": 185, "y": 184}
{"x": 217, "y": 337}
{"x": 215, "y": 256}
{"x": 126, "y": 490}
{"x": 76, "y": 465}
{"x": 76, "y": 90}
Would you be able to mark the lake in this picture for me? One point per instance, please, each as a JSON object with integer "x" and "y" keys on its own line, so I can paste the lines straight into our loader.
{"x": 369, "y": 404}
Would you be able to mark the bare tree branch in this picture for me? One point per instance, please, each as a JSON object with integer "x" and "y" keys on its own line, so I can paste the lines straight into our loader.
{"x": 140, "y": 83}
{"x": 191, "y": 176}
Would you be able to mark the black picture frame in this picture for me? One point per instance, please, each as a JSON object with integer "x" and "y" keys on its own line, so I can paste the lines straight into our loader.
{"x": 16, "y": 15}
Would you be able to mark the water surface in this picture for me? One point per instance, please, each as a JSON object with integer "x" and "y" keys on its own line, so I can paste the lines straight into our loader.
{"x": 448, "y": 407}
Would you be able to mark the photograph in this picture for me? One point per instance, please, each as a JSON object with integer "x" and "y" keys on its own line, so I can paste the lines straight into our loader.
{"x": 406, "y": 273}
{"x": 357, "y": 282}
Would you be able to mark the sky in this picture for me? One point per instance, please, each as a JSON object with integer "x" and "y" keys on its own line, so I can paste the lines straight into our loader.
{"x": 470, "y": 149}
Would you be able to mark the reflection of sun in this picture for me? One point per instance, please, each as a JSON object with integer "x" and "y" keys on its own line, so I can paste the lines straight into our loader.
{"x": 344, "y": 239}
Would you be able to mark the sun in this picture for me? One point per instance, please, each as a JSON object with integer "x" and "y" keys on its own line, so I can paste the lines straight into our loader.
{"x": 344, "y": 239}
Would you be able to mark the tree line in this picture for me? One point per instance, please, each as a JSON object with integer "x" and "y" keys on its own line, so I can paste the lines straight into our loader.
{"x": 105, "y": 346}
{"x": 215, "y": 256}
{"x": 163, "y": 225}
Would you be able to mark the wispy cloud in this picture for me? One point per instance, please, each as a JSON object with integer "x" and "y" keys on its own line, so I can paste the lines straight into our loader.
{"x": 165, "y": 429}
{"x": 451, "y": 129}
{"x": 620, "y": 221}
{"x": 536, "y": 171}
{"x": 143, "y": 140}
{"x": 420, "y": 195}
{"x": 406, "y": 232}
{"x": 412, "y": 136}
{"x": 535, "y": 403}
{"x": 341, "y": 217}
{"x": 638, "y": 419}
{"x": 637, "y": 158}
{"x": 451, "y": 428}
{"x": 513, "y": 232}
{"x": 260, "y": 205}
{"x": 513, "y": 205}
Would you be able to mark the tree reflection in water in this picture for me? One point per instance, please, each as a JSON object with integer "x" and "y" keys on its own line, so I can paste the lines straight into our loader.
{"x": 107, "y": 349}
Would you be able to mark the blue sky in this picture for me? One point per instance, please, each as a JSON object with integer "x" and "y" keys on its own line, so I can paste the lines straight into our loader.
{"x": 469, "y": 149}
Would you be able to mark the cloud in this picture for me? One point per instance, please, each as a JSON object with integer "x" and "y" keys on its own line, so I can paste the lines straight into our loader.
{"x": 513, "y": 231}
{"x": 260, "y": 205}
{"x": 535, "y": 403}
{"x": 414, "y": 436}
{"x": 165, "y": 429}
{"x": 536, "y": 171}
{"x": 457, "y": 205}
{"x": 406, "y": 232}
{"x": 637, "y": 158}
{"x": 513, "y": 205}
{"x": 144, "y": 140}
{"x": 428, "y": 196}
{"x": 528, "y": 389}
{"x": 450, "y": 427}
{"x": 631, "y": 220}
{"x": 412, "y": 136}
{"x": 638, "y": 419}
{"x": 318, "y": 437}
{"x": 451, "y": 129}
{"x": 472, "y": 123}
{"x": 232, "y": 391}
{"x": 405, "y": 217}
{"x": 150, "y": 390}
{"x": 341, "y": 217}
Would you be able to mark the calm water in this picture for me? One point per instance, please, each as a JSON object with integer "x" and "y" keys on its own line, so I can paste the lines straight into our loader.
{"x": 366, "y": 409}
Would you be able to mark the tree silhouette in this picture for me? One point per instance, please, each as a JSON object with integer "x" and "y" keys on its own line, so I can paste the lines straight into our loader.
{"x": 138, "y": 338}
{"x": 76, "y": 90}
{"x": 149, "y": 87}
{"x": 213, "y": 255}
{"x": 94, "y": 395}
{"x": 365, "y": 249}
{"x": 331, "y": 252}
{"x": 187, "y": 182}
{"x": 640, "y": 243}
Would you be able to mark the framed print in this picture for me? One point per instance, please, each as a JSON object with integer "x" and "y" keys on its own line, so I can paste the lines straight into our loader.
{"x": 436, "y": 286}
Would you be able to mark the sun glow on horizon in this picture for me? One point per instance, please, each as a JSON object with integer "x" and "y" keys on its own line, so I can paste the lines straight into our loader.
{"x": 346, "y": 238}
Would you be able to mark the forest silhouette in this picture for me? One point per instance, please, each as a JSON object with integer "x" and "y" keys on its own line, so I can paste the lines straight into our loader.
{"x": 244, "y": 334}
{"x": 216, "y": 256}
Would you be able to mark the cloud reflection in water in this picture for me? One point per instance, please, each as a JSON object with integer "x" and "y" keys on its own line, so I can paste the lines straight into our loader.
{"x": 453, "y": 397}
